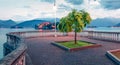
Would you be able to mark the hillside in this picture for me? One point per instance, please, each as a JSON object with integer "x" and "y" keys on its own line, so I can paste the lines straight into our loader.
{"x": 32, "y": 23}
{"x": 28, "y": 24}
{"x": 100, "y": 22}
{"x": 117, "y": 25}
{"x": 7, "y": 23}
{"x": 104, "y": 22}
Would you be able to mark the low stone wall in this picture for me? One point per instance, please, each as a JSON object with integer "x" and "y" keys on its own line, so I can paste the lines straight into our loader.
{"x": 14, "y": 50}
{"x": 100, "y": 35}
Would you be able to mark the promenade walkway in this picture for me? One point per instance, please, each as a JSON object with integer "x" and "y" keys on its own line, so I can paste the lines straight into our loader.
{"x": 42, "y": 52}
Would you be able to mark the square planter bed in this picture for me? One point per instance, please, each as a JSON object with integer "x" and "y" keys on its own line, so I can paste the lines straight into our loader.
{"x": 70, "y": 46}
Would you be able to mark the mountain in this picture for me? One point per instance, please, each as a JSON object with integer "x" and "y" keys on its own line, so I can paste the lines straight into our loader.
{"x": 104, "y": 22}
{"x": 32, "y": 23}
{"x": 117, "y": 25}
{"x": 100, "y": 22}
{"x": 28, "y": 24}
{"x": 7, "y": 23}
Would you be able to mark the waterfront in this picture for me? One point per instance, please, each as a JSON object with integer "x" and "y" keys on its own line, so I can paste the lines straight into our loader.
{"x": 40, "y": 48}
{"x": 3, "y": 32}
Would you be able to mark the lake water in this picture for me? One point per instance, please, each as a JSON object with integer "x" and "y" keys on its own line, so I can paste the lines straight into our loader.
{"x": 3, "y": 32}
{"x": 3, "y": 37}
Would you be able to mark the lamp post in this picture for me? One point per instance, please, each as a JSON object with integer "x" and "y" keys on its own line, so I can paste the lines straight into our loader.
{"x": 55, "y": 9}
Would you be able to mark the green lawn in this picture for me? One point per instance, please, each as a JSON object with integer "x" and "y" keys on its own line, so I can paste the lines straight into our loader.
{"x": 72, "y": 45}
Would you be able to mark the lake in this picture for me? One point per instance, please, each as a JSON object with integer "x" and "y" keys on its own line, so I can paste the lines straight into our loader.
{"x": 3, "y": 32}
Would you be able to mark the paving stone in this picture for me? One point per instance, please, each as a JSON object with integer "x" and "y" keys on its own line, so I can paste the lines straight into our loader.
{"x": 42, "y": 52}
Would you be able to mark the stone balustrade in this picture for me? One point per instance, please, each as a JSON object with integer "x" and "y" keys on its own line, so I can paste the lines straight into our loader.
{"x": 14, "y": 50}
{"x": 108, "y": 36}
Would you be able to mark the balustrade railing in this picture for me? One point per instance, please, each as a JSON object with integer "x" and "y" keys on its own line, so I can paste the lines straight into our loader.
{"x": 109, "y": 36}
{"x": 14, "y": 50}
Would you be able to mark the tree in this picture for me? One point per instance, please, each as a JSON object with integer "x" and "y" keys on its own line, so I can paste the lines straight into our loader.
{"x": 64, "y": 25}
{"x": 75, "y": 20}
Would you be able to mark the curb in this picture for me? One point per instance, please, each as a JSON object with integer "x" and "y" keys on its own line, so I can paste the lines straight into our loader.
{"x": 75, "y": 49}
{"x": 113, "y": 57}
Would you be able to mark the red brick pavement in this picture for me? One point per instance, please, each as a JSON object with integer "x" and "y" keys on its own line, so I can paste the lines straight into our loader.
{"x": 42, "y": 52}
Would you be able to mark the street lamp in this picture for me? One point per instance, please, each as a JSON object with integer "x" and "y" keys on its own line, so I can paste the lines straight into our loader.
{"x": 55, "y": 9}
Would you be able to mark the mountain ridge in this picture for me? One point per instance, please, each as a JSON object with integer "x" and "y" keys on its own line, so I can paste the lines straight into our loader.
{"x": 28, "y": 24}
{"x": 7, "y": 23}
{"x": 100, "y": 22}
{"x": 104, "y": 22}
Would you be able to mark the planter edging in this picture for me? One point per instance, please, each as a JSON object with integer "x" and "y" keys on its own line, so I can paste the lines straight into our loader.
{"x": 112, "y": 57}
{"x": 60, "y": 46}
{"x": 75, "y": 49}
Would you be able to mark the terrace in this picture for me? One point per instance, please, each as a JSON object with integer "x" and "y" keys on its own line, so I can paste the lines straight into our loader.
{"x": 40, "y": 51}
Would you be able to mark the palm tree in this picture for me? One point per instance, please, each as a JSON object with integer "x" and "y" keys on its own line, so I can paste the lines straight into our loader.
{"x": 75, "y": 20}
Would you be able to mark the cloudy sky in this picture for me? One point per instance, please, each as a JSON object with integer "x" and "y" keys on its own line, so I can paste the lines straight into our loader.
{"x": 20, "y": 10}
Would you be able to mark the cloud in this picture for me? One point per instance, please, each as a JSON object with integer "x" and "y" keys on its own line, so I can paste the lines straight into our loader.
{"x": 96, "y": 10}
{"x": 25, "y": 11}
{"x": 64, "y": 7}
{"x": 110, "y": 4}
{"x": 32, "y": 9}
{"x": 102, "y": 13}
{"x": 49, "y": 1}
{"x": 21, "y": 18}
{"x": 26, "y": 6}
{"x": 75, "y": 2}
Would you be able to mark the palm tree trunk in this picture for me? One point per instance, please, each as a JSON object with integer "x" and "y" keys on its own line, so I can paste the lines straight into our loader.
{"x": 75, "y": 37}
